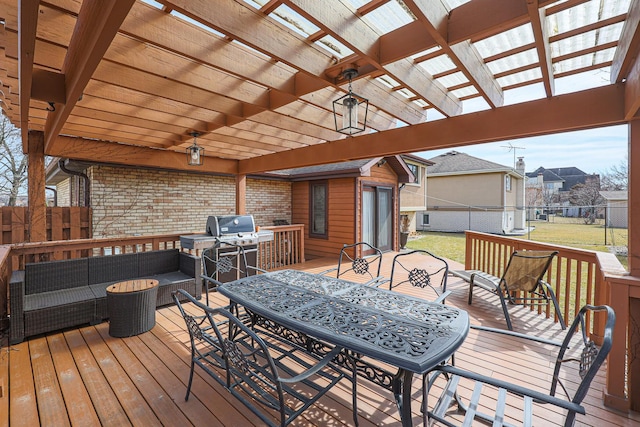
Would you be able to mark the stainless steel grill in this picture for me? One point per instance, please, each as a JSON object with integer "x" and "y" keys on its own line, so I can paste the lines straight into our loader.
{"x": 234, "y": 229}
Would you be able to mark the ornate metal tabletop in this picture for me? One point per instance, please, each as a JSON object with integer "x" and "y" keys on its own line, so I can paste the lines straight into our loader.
{"x": 409, "y": 333}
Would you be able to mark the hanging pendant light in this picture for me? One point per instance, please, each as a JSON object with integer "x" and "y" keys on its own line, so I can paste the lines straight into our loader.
{"x": 195, "y": 153}
{"x": 348, "y": 107}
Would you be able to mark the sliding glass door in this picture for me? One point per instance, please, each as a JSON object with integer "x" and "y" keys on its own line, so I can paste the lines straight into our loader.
{"x": 377, "y": 217}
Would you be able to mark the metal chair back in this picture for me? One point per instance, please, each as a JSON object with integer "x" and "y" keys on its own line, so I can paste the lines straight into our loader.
{"x": 432, "y": 273}
{"x": 360, "y": 258}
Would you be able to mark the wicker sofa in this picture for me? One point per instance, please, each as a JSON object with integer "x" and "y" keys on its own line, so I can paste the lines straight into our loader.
{"x": 48, "y": 296}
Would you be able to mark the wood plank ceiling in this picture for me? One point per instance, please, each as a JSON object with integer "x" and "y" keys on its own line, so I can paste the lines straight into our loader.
{"x": 127, "y": 81}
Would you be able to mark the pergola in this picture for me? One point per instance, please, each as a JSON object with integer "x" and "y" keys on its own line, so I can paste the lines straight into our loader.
{"x": 128, "y": 82}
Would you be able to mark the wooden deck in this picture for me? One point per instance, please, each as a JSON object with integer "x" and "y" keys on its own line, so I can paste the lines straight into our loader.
{"x": 84, "y": 377}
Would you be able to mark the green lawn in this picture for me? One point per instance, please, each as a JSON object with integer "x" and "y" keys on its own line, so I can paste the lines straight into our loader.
{"x": 559, "y": 231}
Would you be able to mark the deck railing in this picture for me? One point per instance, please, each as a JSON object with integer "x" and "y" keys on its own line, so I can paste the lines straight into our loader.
{"x": 286, "y": 248}
{"x": 576, "y": 275}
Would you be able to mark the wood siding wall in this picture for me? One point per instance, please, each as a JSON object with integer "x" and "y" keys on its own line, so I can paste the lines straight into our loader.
{"x": 345, "y": 210}
{"x": 341, "y": 216}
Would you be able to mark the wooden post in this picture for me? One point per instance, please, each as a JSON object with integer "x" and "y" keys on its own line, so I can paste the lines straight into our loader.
{"x": 36, "y": 181}
{"x": 634, "y": 199}
{"x": 241, "y": 194}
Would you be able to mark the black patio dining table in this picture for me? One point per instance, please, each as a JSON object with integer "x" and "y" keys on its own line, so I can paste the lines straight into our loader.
{"x": 375, "y": 325}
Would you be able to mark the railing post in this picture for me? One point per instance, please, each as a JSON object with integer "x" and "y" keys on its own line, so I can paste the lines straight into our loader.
{"x": 468, "y": 251}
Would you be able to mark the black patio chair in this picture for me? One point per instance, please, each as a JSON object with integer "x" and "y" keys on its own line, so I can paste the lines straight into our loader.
{"x": 205, "y": 346}
{"x": 522, "y": 282}
{"x": 223, "y": 262}
{"x": 587, "y": 358}
{"x": 367, "y": 265}
{"x": 276, "y": 379}
{"x": 433, "y": 275}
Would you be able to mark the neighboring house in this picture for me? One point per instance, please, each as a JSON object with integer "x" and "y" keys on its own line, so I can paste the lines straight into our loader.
{"x": 348, "y": 202}
{"x": 553, "y": 186}
{"x": 616, "y": 208}
{"x": 343, "y": 202}
{"x": 413, "y": 196}
{"x": 468, "y": 193}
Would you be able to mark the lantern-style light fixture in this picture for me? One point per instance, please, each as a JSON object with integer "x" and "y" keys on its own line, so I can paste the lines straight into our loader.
{"x": 195, "y": 153}
{"x": 348, "y": 107}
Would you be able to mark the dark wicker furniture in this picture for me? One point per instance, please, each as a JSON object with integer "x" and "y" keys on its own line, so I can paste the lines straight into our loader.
{"x": 132, "y": 307}
{"x": 52, "y": 295}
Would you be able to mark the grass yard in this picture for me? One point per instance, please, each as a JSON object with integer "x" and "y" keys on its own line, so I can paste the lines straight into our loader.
{"x": 558, "y": 231}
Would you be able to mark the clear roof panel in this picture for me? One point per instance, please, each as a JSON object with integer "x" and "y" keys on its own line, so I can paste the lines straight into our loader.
{"x": 464, "y": 92}
{"x": 389, "y": 17}
{"x": 388, "y": 81}
{"x": 586, "y": 13}
{"x": 406, "y": 93}
{"x": 584, "y": 61}
{"x": 582, "y": 81}
{"x": 334, "y": 46}
{"x": 586, "y": 40}
{"x": 503, "y": 42}
{"x": 524, "y": 94}
{"x": 292, "y": 19}
{"x": 513, "y": 61}
{"x": 438, "y": 65}
{"x": 521, "y": 77}
{"x": 454, "y": 79}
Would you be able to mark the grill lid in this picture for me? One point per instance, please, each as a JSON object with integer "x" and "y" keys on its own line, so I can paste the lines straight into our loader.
{"x": 230, "y": 224}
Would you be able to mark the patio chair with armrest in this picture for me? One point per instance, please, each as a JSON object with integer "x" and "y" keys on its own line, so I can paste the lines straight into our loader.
{"x": 587, "y": 358}
{"x": 223, "y": 258}
{"x": 433, "y": 275}
{"x": 367, "y": 265}
{"x": 262, "y": 371}
{"x": 522, "y": 282}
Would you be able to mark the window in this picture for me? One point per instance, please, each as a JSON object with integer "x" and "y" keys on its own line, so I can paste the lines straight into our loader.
{"x": 425, "y": 219}
{"x": 507, "y": 183}
{"x": 415, "y": 170}
{"x": 318, "y": 198}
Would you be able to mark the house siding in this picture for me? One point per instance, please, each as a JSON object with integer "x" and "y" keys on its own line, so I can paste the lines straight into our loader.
{"x": 341, "y": 216}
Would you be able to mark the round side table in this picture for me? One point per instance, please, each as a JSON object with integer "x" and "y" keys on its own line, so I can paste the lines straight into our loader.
{"x": 132, "y": 307}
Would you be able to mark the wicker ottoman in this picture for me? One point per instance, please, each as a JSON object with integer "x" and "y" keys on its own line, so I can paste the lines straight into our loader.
{"x": 132, "y": 307}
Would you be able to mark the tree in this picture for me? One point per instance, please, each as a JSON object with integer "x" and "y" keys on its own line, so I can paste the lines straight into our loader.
{"x": 13, "y": 162}
{"x": 616, "y": 178}
{"x": 587, "y": 196}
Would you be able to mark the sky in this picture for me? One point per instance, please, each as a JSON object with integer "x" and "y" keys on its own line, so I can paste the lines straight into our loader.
{"x": 592, "y": 151}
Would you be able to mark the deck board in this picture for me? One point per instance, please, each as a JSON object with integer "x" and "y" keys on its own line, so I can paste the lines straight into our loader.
{"x": 85, "y": 377}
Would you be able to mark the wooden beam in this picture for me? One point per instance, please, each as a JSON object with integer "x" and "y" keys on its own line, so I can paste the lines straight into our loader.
{"x": 634, "y": 198}
{"x": 602, "y": 106}
{"x": 27, "y": 24}
{"x": 628, "y": 46}
{"x": 541, "y": 37}
{"x": 108, "y": 152}
{"x": 632, "y": 90}
{"x": 98, "y": 23}
{"x": 48, "y": 86}
{"x": 36, "y": 183}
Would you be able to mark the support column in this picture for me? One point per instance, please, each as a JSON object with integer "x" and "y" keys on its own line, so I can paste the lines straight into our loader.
{"x": 36, "y": 181}
{"x": 634, "y": 199}
{"x": 241, "y": 194}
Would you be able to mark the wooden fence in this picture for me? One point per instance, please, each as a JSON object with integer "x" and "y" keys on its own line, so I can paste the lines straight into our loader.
{"x": 286, "y": 248}
{"x": 63, "y": 223}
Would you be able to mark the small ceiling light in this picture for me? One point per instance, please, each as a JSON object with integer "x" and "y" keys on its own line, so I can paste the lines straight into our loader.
{"x": 348, "y": 106}
{"x": 195, "y": 153}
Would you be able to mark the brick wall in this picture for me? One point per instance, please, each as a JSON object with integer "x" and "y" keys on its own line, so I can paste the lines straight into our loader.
{"x": 129, "y": 201}
{"x": 64, "y": 193}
